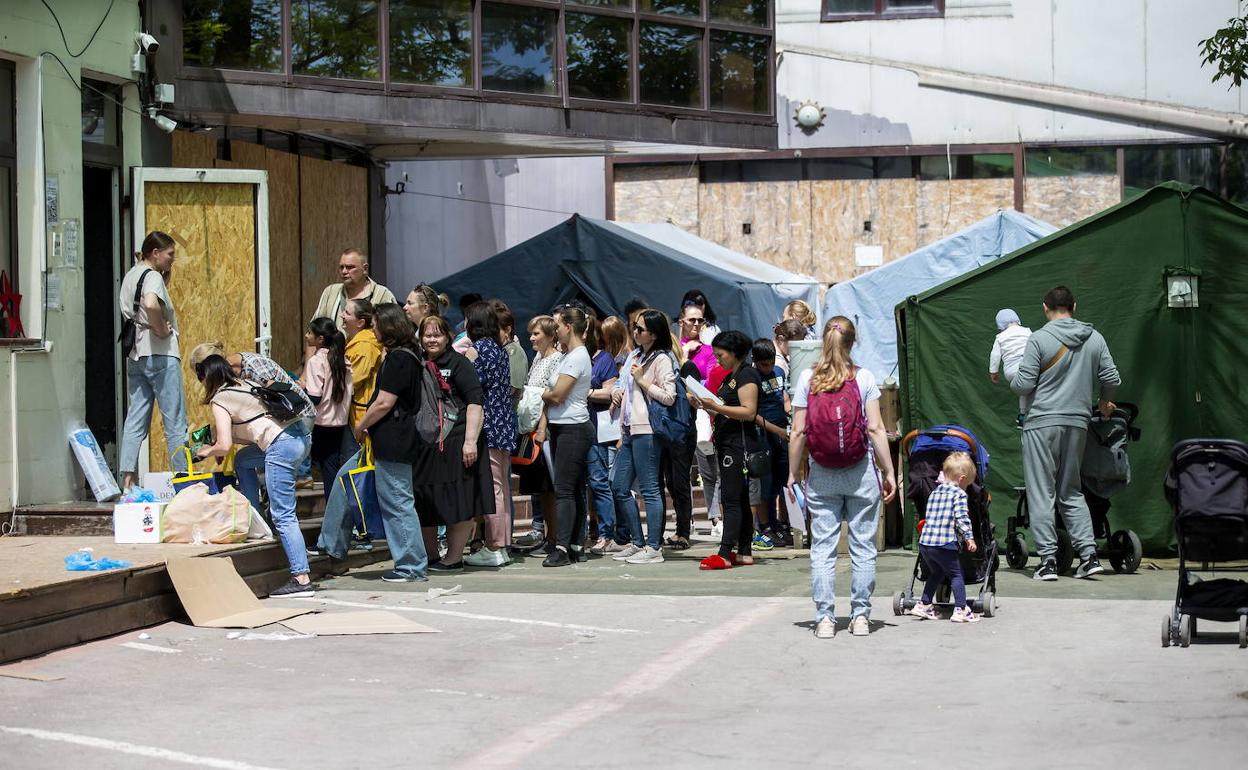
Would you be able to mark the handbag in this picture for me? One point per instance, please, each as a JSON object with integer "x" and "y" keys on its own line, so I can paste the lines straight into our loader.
{"x": 757, "y": 464}
{"x": 528, "y": 449}
{"x": 181, "y": 481}
{"x": 130, "y": 329}
{"x": 360, "y": 486}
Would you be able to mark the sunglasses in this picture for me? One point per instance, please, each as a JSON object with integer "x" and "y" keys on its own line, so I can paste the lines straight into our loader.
{"x": 695, "y": 321}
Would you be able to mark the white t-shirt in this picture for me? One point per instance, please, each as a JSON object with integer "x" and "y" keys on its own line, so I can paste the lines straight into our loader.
{"x": 146, "y": 343}
{"x": 1007, "y": 349}
{"x": 575, "y": 408}
{"x": 867, "y": 388}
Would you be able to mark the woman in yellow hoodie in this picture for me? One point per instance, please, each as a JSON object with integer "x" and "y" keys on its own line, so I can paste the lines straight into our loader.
{"x": 364, "y": 353}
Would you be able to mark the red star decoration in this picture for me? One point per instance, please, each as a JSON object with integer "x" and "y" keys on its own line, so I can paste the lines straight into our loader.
{"x": 10, "y": 307}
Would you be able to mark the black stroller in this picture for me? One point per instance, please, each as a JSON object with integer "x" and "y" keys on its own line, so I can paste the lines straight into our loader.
{"x": 1207, "y": 486}
{"x": 926, "y": 451}
{"x": 1105, "y": 471}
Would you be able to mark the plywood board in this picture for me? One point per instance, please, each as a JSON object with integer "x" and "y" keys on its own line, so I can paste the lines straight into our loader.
{"x": 667, "y": 193}
{"x": 285, "y": 292}
{"x": 1064, "y": 200}
{"x": 947, "y": 206}
{"x": 213, "y": 280}
{"x": 333, "y": 212}
{"x": 194, "y": 150}
{"x": 778, "y": 215}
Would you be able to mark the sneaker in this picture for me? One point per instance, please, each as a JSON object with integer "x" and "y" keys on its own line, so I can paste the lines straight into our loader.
{"x": 925, "y": 611}
{"x": 1046, "y": 571}
{"x": 647, "y": 555}
{"x": 292, "y": 589}
{"x": 600, "y": 546}
{"x": 825, "y": 628}
{"x": 317, "y": 551}
{"x": 627, "y": 552}
{"x": 557, "y": 558}
{"x": 535, "y": 537}
{"x": 361, "y": 545}
{"x": 484, "y": 557}
{"x": 542, "y": 551}
{"x": 782, "y": 538}
{"x": 761, "y": 542}
{"x": 964, "y": 615}
{"x": 717, "y": 529}
{"x": 1022, "y": 418}
{"x": 1089, "y": 567}
{"x": 859, "y": 626}
{"x": 399, "y": 577}
{"x": 442, "y": 568}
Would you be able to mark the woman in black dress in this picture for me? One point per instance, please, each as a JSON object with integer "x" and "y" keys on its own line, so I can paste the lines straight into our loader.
{"x": 451, "y": 483}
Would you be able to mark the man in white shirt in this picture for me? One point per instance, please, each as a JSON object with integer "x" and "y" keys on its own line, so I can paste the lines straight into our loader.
{"x": 356, "y": 284}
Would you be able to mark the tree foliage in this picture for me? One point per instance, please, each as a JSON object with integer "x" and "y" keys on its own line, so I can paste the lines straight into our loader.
{"x": 1228, "y": 49}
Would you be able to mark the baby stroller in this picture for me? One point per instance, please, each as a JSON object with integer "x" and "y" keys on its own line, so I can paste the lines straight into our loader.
{"x": 1105, "y": 471}
{"x": 926, "y": 451}
{"x": 1207, "y": 486}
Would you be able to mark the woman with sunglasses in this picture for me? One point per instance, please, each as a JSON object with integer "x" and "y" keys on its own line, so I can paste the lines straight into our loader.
{"x": 648, "y": 374}
{"x": 695, "y": 298}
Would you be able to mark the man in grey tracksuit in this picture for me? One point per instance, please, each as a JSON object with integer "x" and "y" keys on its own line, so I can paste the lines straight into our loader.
{"x": 1064, "y": 363}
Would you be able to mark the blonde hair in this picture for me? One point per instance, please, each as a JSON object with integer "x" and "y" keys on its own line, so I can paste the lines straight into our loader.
{"x": 801, "y": 312}
{"x": 545, "y": 323}
{"x": 614, "y": 334}
{"x": 205, "y": 349}
{"x": 959, "y": 464}
{"x": 835, "y": 366}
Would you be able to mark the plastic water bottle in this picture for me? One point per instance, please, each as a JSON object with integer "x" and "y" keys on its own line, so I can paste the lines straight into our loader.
{"x": 197, "y": 536}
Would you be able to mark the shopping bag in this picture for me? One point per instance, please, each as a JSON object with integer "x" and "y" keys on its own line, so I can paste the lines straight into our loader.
{"x": 527, "y": 450}
{"x": 223, "y": 517}
{"x": 360, "y": 486}
{"x": 192, "y": 477}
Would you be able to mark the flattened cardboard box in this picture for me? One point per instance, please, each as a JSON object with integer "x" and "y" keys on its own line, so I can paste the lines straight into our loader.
{"x": 354, "y": 623}
{"x": 215, "y": 596}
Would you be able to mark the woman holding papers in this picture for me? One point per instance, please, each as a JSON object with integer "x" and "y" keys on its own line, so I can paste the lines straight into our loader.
{"x": 611, "y": 339}
{"x": 649, "y": 373}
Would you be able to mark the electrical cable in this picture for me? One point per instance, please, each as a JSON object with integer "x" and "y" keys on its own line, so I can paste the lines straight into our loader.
{"x": 81, "y": 86}
{"x": 488, "y": 203}
{"x": 61, "y": 29}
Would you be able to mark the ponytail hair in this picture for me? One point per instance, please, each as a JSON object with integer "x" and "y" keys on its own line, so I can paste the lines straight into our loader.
{"x": 835, "y": 366}
{"x": 155, "y": 241}
{"x": 336, "y": 344}
{"x": 576, "y": 318}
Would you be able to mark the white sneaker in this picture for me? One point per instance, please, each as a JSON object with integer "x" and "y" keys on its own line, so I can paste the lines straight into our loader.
{"x": 627, "y": 552}
{"x": 925, "y": 611}
{"x": 717, "y": 529}
{"x": 600, "y": 546}
{"x": 647, "y": 555}
{"x": 964, "y": 615}
{"x": 859, "y": 626}
{"x": 825, "y": 628}
{"x": 484, "y": 557}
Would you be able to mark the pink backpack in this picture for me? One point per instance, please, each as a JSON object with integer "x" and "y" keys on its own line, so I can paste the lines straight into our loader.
{"x": 836, "y": 426}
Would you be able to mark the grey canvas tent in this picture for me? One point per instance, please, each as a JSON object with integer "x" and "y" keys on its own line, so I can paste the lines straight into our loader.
{"x": 606, "y": 264}
{"x": 868, "y": 300}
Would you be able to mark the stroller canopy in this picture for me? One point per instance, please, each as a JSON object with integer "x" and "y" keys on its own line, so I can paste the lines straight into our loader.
{"x": 945, "y": 439}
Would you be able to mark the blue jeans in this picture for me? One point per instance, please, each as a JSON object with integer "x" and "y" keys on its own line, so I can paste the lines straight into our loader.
{"x": 601, "y": 458}
{"x": 153, "y": 379}
{"x": 280, "y": 462}
{"x": 638, "y": 460}
{"x": 837, "y": 496}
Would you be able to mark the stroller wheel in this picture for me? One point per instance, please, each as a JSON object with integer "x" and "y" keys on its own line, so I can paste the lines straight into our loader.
{"x": 1166, "y": 631}
{"x": 1016, "y": 551}
{"x": 1186, "y": 630}
{"x": 1243, "y": 631}
{"x": 988, "y": 604}
{"x": 899, "y": 603}
{"x": 1065, "y": 552}
{"x": 1125, "y": 551}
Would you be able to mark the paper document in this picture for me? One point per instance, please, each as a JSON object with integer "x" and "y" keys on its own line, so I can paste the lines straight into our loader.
{"x": 608, "y": 426}
{"x": 795, "y": 506}
{"x": 699, "y": 390}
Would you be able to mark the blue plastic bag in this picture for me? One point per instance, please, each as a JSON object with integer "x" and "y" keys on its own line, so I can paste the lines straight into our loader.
{"x": 139, "y": 495}
{"x": 84, "y": 561}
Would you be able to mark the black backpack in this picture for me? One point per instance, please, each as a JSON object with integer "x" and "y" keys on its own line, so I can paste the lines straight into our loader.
{"x": 129, "y": 329}
{"x": 438, "y": 410}
{"x": 279, "y": 400}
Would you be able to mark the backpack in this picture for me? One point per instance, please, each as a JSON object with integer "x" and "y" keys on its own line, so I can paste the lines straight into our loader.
{"x": 130, "y": 329}
{"x": 836, "y": 426}
{"x": 437, "y": 413}
{"x": 279, "y": 401}
{"x": 671, "y": 424}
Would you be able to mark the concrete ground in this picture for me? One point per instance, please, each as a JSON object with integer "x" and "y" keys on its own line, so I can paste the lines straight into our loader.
{"x": 617, "y": 666}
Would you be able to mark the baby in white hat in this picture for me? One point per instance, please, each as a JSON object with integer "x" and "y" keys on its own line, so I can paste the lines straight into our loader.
{"x": 1007, "y": 353}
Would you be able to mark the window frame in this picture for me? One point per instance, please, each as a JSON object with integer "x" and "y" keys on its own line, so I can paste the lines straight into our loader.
{"x": 881, "y": 12}
{"x": 8, "y": 159}
{"x": 475, "y": 91}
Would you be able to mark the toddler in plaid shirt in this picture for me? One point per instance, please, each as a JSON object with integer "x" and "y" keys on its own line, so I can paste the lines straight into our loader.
{"x": 947, "y": 522}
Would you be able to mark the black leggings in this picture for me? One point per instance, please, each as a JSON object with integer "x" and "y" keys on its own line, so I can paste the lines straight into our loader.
{"x": 569, "y": 446}
{"x": 675, "y": 466}
{"x": 734, "y": 496}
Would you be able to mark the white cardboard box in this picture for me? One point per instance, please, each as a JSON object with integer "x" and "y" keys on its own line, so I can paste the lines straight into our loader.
{"x": 137, "y": 522}
{"x": 160, "y": 482}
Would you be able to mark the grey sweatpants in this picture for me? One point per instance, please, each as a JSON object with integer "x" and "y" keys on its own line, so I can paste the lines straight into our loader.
{"x": 1051, "y": 458}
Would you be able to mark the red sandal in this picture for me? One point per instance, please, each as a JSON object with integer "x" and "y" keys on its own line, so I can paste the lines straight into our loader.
{"x": 715, "y": 561}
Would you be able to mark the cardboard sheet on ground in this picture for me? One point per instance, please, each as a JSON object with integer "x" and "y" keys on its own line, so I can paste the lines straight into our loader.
{"x": 367, "y": 622}
{"x": 215, "y": 596}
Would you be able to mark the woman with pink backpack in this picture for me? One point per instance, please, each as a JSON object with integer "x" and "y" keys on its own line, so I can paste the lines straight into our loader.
{"x": 836, "y": 415}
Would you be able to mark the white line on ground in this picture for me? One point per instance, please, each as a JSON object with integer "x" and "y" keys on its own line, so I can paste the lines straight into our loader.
{"x": 472, "y": 616}
{"x": 151, "y": 752}
{"x": 514, "y": 749}
{"x": 150, "y": 647}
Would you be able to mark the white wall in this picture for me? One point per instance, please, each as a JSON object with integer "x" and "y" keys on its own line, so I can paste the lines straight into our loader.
{"x": 1136, "y": 49}
{"x": 457, "y": 213}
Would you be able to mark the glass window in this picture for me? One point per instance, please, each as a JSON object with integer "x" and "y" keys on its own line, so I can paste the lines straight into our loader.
{"x": 431, "y": 42}
{"x": 849, "y": 6}
{"x": 671, "y": 65}
{"x": 1070, "y": 161}
{"x": 739, "y": 64}
{"x": 8, "y": 166}
{"x": 335, "y": 39}
{"x": 751, "y": 12}
{"x": 673, "y": 7}
{"x": 779, "y": 170}
{"x": 232, "y": 34}
{"x": 840, "y": 168}
{"x": 894, "y": 167}
{"x": 1237, "y": 173}
{"x": 605, "y": 3}
{"x": 8, "y": 105}
{"x": 910, "y": 6}
{"x": 849, "y": 10}
{"x": 598, "y": 57}
{"x": 99, "y": 112}
{"x": 8, "y": 228}
{"x": 993, "y": 166}
{"x": 1145, "y": 166}
{"x": 518, "y": 49}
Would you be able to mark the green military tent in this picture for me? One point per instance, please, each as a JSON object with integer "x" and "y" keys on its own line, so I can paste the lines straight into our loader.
{"x": 1127, "y": 267}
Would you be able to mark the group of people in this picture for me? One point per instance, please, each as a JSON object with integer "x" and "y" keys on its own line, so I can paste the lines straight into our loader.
{"x": 445, "y": 414}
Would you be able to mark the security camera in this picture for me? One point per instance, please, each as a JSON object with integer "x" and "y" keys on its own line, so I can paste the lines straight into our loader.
{"x": 166, "y": 124}
{"x": 147, "y": 43}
